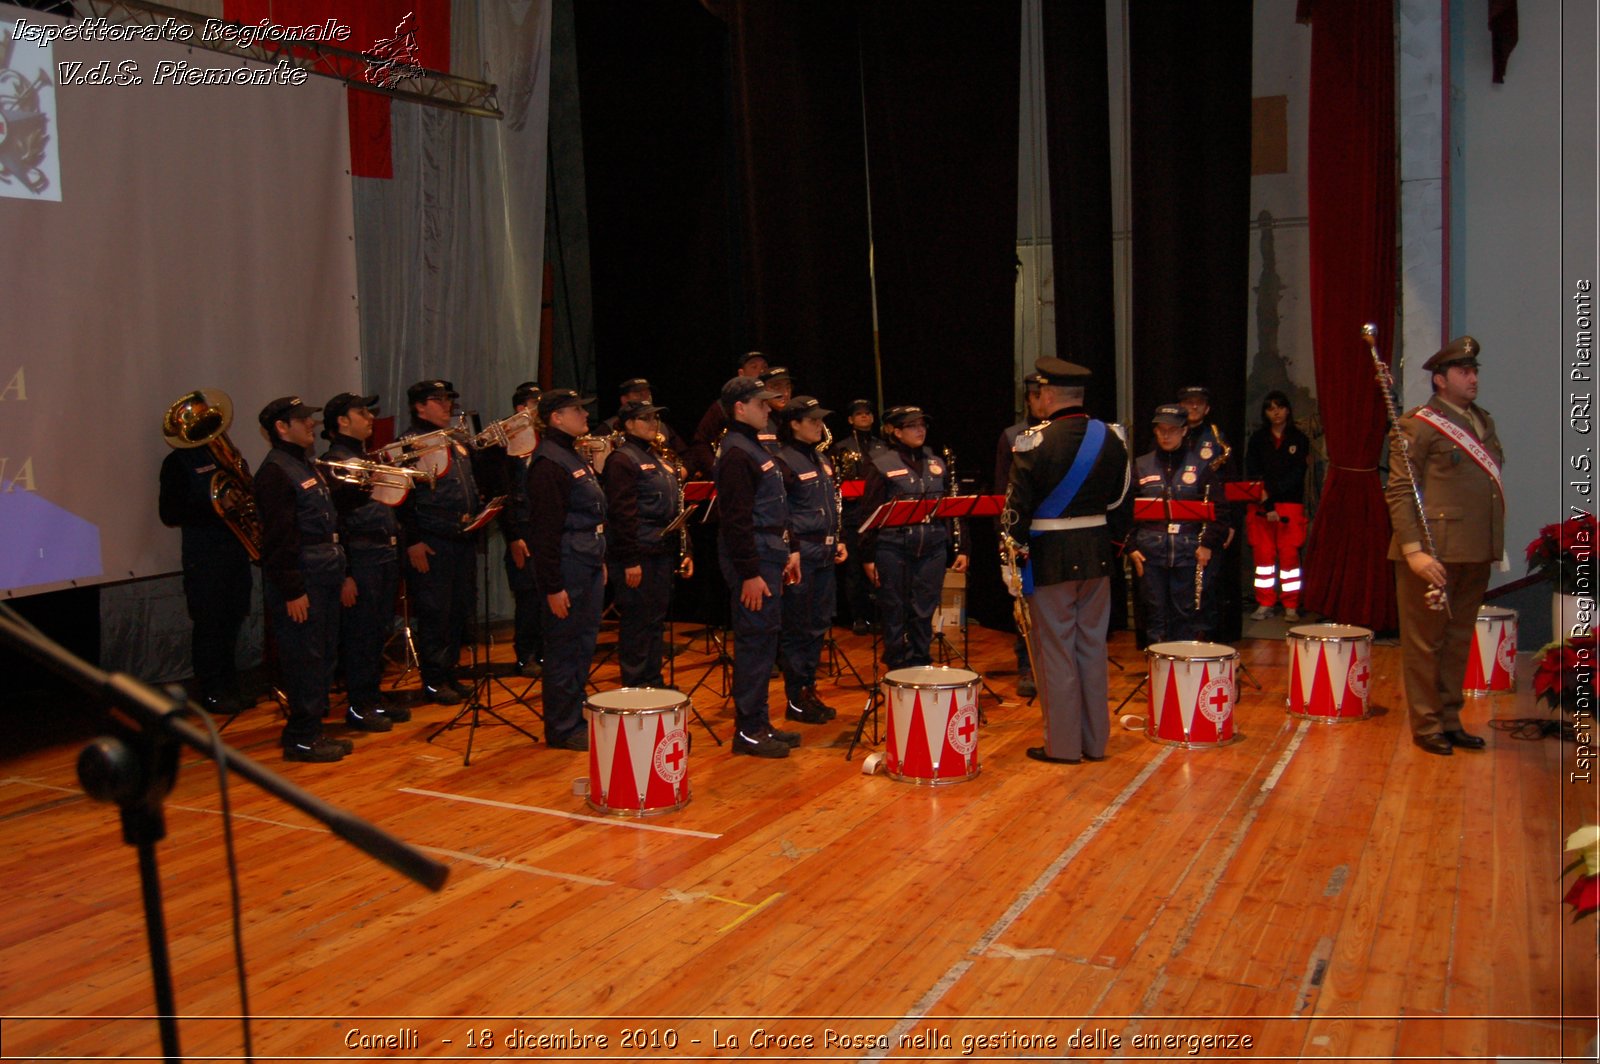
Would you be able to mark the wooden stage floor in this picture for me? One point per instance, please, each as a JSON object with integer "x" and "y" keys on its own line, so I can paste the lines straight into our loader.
{"x": 1315, "y": 891}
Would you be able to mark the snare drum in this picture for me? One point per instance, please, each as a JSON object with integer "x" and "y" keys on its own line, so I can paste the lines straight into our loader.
{"x": 638, "y": 751}
{"x": 1192, "y": 694}
{"x": 933, "y": 725}
{"x": 1492, "y": 665}
{"x": 1330, "y": 672}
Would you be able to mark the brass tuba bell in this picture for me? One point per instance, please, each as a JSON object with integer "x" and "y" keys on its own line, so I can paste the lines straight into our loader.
{"x": 201, "y": 419}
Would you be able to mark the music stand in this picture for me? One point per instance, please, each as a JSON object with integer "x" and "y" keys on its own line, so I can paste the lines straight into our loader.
{"x": 481, "y": 672}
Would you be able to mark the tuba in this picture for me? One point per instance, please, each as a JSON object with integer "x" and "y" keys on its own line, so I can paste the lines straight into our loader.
{"x": 201, "y": 419}
{"x": 669, "y": 461}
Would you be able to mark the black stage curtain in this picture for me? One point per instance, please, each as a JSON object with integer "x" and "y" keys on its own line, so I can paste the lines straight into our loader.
{"x": 941, "y": 89}
{"x": 798, "y": 130}
{"x": 1190, "y": 109}
{"x": 1077, "y": 113}
{"x": 660, "y": 185}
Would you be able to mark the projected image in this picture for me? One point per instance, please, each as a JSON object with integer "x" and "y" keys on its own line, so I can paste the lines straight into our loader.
{"x": 30, "y": 166}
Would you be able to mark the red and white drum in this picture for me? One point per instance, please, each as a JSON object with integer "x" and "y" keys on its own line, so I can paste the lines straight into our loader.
{"x": 1192, "y": 694}
{"x": 933, "y": 725}
{"x": 1330, "y": 672}
{"x": 638, "y": 751}
{"x": 1492, "y": 664}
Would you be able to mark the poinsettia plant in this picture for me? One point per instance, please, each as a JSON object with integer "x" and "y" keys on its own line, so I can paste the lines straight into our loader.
{"x": 1584, "y": 894}
{"x": 1565, "y": 670}
{"x": 1559, "y": 549}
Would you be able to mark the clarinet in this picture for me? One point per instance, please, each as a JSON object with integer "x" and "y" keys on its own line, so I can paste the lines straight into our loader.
{"x": 950, "y": 490}
{"x": 1435, "y": 596}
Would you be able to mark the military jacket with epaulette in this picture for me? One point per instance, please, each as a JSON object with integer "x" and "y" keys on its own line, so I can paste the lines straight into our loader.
{"x": 1040, "y": 460}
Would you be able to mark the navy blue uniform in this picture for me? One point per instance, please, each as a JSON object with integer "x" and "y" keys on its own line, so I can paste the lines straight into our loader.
{"x": 808, "y": 606}
{"x": 911, "y": 559}
{"x": 441, "y": 598}
{"x": 1166, "y": 590}
{"x": 752, "y": 541}
{"x": 370, "y": 536}
{"x": 641, "y": 500}
{"x": 569, "y": 554}
{"x": 858, "y": 593}
{"x": 300, "y": 555}
{"x": 515, "y": 524}
{"x": 216, "y": 571}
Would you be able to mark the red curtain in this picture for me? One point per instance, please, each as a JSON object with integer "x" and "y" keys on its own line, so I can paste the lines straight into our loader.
{"x": 369, "y": 22}
{"x": 1352, "y": 229}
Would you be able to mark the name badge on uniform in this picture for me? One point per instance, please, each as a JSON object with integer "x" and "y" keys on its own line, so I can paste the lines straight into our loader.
{"x": 1152, "y": 478}
{"x": 308, "y": 483}
{"x": 1172, "y": 529}
{"x": 212, "y": 468}
{"x": 809, "y": 476}
{"x": 1189, "y": 477}
{"x": 828, "y": 540}
{"x": 935, "y": 468}
{"x": 577, "y": 473}
{"x": 646, "y": 465}
{"x": 896, "y": 473}
{"x": 766, "y": 465}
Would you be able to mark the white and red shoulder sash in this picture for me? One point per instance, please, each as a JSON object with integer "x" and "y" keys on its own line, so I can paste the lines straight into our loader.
{"x": 1464, "y": 440}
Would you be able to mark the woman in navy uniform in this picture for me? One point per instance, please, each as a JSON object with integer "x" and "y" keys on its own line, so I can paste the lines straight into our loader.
{"x": 907, "y": 563}
{"x": 641, "y": 500}
{"x": 755, "y": 558}
{"x": 568, "y": 546}
{"x": 814, "y": 522}
{"x": 1165, "y": 552}
{"x": 440, "y": 582}
{"x": 303, "y": 567}
{"x": 370, "y": 537}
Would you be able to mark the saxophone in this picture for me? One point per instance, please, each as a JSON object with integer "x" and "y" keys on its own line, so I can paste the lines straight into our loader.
{"x": 669, "y": 461}
{"x": 824, "y": 446}
{"x": 1012, "y": 559}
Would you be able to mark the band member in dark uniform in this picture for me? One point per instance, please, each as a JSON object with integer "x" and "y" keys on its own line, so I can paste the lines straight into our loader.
{"x": 851, "y": 453}
{"x": 638, "y": 390}
{"x": 1201, "y": 435}
{"x": 569, "y": 561}
{"x": 1035, "y": 412}
{"x": 528, "y": 610}
{"x": 1067, "y": 475}
{"x": 714, "y": 422}
{"x": 907, "y": 563}
{"x": 756, "y": 559}
{"x": 814, "y": 524}
{"x": 303, "y": 567}
{"x": 440, "y": 583}
{"x": 1165, "y": 552}
{"x": 370, "y": 537}
{"x": 216, "y": 567}
{"x": 1277, "y": 455}
{"x": 641, "y": 500}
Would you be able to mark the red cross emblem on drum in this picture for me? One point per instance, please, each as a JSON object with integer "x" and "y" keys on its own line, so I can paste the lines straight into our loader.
{"x": 638, "y": 751}
{"x": 1492, "y": 663}
{"x": 1330, "y": 672}
{"x": 933, "y": 725}
{"x": 962, "y": 731}
{"x": 1191, "y": 694}
{"x": 672, "y": 756}
{"x": 1216, "y": 701}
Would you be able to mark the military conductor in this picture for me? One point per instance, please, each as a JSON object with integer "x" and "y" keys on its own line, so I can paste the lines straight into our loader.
{"x": 1068, "y": 474}
{"x": 1455, "y": 458}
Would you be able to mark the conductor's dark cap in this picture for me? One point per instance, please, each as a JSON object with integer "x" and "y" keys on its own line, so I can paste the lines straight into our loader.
{"x": 285, "y": 409}
{"x": 340, "y": 405}
{"x": 1169, "y": 414}
{"x": 1463, "y": 351}
{"x": 633, "y": 410}
{"x": 525, "y": 391}
{"x": 900, "y": 416}
{"x": 1195, "y": 391}
{"x": 745, "y": 390}
{"x": 556, "y": 398}
{"x": 1060, "y": 371}
{"x": 435, "y": 388}
{"x": 805, "y": 406}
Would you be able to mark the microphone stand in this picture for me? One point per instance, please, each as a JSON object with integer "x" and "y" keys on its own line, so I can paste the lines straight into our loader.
{"x": 137, "y": 767}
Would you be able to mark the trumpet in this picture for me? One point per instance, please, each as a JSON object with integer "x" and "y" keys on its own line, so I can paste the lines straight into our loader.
{"x": 594, "y": 449}
{"x": 515, "y": 433}
{"x": 389, "y": 484}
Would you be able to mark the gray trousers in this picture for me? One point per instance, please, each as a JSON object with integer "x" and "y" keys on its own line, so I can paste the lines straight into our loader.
{"x": 1069, "y": 664}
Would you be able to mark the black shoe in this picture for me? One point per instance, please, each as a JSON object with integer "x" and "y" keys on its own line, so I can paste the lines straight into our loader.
{"x": 765, "y": 746}
{"x": 1026, "y": 688}
{"x": 321, "y": 750}
{"x": 446, "y": 694}
{"x": 787, "y": 738}
{"x": 398, "y": 714}
{"x": 1038, "y": 754}
{"x": 578, "y": 740}
{"x": 367, "y": 720}
{"x": 804, "y": 712}
{"x": 1464, "y": 739}
{"x": 816, "y": 702}
{"x": 860, "y": 627}
{"x": 221, "y": 706}
{"x": 1434, "y": 744}
{"x": 529, "y": 670}
{"x": 1092, "y": 757}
